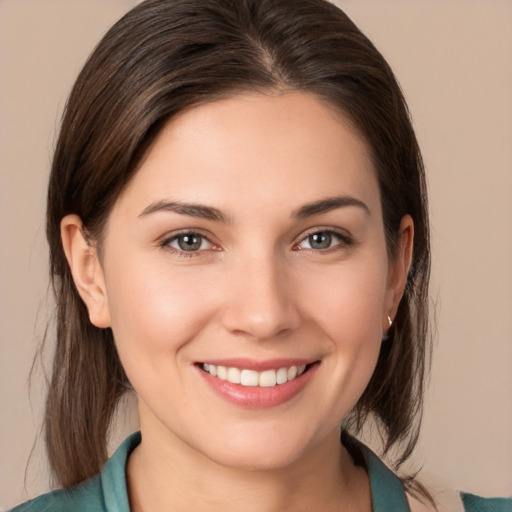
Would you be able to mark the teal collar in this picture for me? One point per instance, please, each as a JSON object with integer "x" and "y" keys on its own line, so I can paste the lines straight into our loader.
{"x": 113, "y": 476}
{"x": 387, "y": 491}
{"x": 388, "y": 494}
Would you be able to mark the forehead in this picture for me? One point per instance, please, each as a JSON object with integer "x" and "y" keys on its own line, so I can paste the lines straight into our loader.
{"x": 263, "y": 147}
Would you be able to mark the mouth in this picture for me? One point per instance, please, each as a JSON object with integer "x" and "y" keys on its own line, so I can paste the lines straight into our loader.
{"x": 253, "y": 378}
{"x": 259, "y": 385}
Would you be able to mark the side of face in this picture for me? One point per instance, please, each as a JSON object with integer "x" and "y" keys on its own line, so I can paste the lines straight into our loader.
{"x": 250, "y": 238}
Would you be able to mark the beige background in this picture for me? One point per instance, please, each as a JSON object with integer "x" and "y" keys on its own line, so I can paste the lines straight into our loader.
{"x": 454, "y": 61}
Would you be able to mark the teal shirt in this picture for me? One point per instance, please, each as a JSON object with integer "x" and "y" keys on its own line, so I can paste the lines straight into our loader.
{"x": 107, "y": 491}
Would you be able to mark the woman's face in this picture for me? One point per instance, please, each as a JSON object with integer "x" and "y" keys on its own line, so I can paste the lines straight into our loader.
{"x": 250, "y": 247}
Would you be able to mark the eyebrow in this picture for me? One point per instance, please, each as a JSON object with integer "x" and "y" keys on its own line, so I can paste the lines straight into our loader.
{"x": 211, "y": 213}
{"x": 191, "y": 209}
{"x": 331, "y": 203}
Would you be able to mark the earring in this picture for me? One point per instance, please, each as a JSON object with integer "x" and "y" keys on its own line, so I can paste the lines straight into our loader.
{"x": 385, "y": 335}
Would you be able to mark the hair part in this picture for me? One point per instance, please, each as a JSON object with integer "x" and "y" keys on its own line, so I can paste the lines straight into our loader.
{"x": 163, "y": 58}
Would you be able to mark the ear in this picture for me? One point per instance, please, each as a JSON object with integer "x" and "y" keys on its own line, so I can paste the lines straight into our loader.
{"x": 86, "y": 270}
{"x": 399, "y": 269}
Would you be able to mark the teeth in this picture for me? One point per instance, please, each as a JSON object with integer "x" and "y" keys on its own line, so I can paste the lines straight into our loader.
{"x": 282, "y": 375}
{"x": 249, "y": 378}
{"x": 233, "y": 375}
{"x": 292, "y": 373}
{"x": 265, "y": 379}
{"x": 222, "y": 372}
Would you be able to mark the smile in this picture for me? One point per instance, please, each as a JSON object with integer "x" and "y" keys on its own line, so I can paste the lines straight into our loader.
{"x": 257, "y": 384}
{"x": 245, "y": 377}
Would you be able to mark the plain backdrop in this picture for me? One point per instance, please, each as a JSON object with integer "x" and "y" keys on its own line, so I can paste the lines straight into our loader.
{"x": 454, "y": 62}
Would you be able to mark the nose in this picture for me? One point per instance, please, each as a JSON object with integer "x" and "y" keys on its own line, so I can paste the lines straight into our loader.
{"x": 260, "y": 301}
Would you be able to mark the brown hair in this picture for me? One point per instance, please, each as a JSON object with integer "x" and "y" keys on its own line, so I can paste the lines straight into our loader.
{"x": 163, "y": 57}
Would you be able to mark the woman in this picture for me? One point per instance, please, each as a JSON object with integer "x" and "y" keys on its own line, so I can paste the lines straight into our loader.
{"x": 234, "y": 202}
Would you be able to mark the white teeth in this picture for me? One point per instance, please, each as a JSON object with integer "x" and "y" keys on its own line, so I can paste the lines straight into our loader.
{"x": 249, "y": 378}
{"x": 282, "y": 375}
{"x": 234, "y": 375}
{"x": 292, "y": 372}
{"x": 265, "y": 379}
{"x": 210, "y": 368}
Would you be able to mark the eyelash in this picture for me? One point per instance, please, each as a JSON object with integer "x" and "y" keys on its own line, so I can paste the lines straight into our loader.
{"x": 182, "y": 252}
{"x": 343, "y": 241}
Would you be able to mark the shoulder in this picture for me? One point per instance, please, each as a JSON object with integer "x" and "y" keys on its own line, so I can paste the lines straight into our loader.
{"x": 86, "y": 497}
{"x": 454, "y": 501}
{"x": 474, "y": 503}
{"x": 386, "y": 488}
{"x": 106, "y": 492}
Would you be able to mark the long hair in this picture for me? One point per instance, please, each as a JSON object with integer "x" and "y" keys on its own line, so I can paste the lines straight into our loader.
{"x": 160, "y": 59}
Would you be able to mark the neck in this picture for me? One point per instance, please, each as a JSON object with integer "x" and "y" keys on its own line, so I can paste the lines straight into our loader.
{"x": 173, "y": 476}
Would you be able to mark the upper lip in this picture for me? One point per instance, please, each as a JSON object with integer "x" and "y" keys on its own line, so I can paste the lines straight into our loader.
{"x": 259, "y": 366}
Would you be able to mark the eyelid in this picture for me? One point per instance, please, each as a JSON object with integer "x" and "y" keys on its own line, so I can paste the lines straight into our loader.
{"x": 346, "y": 238}
{"x": 166, "y": 240}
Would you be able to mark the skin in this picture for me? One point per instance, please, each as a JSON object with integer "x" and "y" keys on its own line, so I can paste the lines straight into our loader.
{"x": 256, "y": 288}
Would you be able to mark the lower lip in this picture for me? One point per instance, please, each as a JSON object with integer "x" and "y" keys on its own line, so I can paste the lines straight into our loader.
{"x": 259, "y": 397}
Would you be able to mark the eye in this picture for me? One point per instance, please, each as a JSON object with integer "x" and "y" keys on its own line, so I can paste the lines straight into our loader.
{"x": 323, "y": 240}
{"x": 188, "y": 242}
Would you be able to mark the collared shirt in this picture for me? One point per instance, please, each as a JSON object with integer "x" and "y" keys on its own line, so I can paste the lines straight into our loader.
{"x": 107, "y": 492}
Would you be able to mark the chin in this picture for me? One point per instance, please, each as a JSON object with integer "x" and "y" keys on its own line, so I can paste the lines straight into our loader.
{"x": 257, "y": 460}
{"x": 261, "y": 452}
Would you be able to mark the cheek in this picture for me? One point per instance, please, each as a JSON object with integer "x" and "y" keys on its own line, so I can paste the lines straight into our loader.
{"x": 346, "y": 305}
{"x": 347, "y": 301}
{"x": 154, "y": 311}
